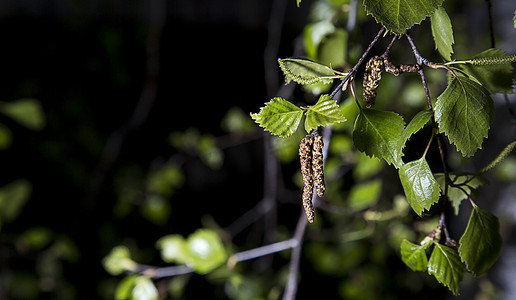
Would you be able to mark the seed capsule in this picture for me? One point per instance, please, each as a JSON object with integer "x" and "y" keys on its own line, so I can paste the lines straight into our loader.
{"x": 372, "y": 76}
{"x": 317, "y": 165}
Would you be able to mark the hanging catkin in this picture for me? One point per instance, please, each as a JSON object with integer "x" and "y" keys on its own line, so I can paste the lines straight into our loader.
{"x": 317, "y": 165}
{"x": 305, "y": 157}
{"x": 372, "y": 76}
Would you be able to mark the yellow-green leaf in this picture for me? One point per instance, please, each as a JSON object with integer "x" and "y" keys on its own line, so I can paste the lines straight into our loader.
{"x": 279, "y": 117}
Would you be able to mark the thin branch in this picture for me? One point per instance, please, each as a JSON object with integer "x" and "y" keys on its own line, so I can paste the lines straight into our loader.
{"x": 357, "y": 65}
{"x": 490, "y": 18}
{"x": 295, "y": 258}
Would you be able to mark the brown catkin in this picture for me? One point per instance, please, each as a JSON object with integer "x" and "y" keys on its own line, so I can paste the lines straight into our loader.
{"x": 409, "y": 68}
{"x": 390, "y": 67}
{"x": 317, "y": 165}
{"x": 305, "y": 157}
{"x": 372, "y": 76}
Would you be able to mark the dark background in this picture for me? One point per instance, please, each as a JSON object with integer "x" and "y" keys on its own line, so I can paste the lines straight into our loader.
{"x": 85, "y": 61}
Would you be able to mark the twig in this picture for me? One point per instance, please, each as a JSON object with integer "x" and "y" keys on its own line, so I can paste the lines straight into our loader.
{"x": 357, "y": 65}
{"x": 490, "y": 18}
{"x": 295, "y": 258}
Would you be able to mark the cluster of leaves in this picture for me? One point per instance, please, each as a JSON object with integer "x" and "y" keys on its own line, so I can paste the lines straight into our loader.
{"x": 463, "y": 112}
{"x": 202, "y": 251}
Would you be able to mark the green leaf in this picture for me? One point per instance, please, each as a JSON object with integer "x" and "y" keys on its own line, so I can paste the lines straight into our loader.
{"x": 325, "y": 112}
{"x": 481, "y": 243}
{"x": 173, "y": 249}
{"x": 165, "y": 180}
{"x": 205, "y": 251}
{"x": 464, "y": 112}
{"x": 364, "y": 195}
{"x": 279, "y": 116}
{"x": 313, "y": 35}
{"x": 27, "y": 112}
{"x": 417, "y": 122}
{"x": 304, "y": 71}
{"x": 442, "y": 32}
{"x": 446, "y": 267}
{"x": 6, "y": 137}
{"x": 399, "y": 15}
{"x": 333, "y": 51}
{"x": 13, "y": 196}
{"x": 118, "y": 261}
{"x": 136, "y": 287}
{"x": 495, "y": 75}
{"x": 419, "y": 184}
{"x": 414, "y": 256}
{"x": 461, "y": 183}
{"x": 377, "y": 134}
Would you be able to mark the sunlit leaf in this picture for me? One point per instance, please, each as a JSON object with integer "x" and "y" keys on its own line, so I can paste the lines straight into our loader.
{"x": 461, "y": 186}
{"x": 118, "y": 261}
{"x": 446, "y": 267}
{"x": 417, "y": 123}
{"x": 495, "y": 77}
{"x": 136, "y": 287}
{"x": 28, "y": 112}
{"x": 377, "y": 134}
{"x": 481, "y": 243}
{"x": 399, "y": 15}
{"x": 442, "y": 32}
{"x": 279, "y": 116}
{"x": 304, "y": 71}
{"x": 419, "y": 184}
{"x": 333, "y": 51}
{"x": 464, "y": 112}
{"x": 205, "y": 251}
{"x": 325, "y": 112}
{"x": 313, "y": 34}
{"x": 173, "y": 249}
{"x": 414, "y": 256}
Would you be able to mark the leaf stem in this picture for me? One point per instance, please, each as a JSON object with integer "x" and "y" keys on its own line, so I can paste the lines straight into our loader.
{"x": 357, "y": 65}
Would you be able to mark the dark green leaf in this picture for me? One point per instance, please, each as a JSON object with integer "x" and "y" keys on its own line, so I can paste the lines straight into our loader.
{"x": 377, "y": 134}
{"x": 495, "y": 77}
{"x": 399, "y": 15}
{"x": 414, "y": 256}
{"x": 279, "y": 116}
{"x": 304, "y": 71}
{"x": 417, "y": 122}
{"x": 460, "y": 183}
{"x": 464, "y": 112}
{"x": 13, "y": 197}
{"x": 27, "y": 112}
{"x": 419, "y": 184}
{"x": 442, "y": 32}
{"x": 325, "y": 112}
{"x": 481, "y": 243}
{"x": 446, "y": 267}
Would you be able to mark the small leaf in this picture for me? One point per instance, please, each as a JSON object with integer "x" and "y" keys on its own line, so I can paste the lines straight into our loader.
{"x": 118, "y": 261}
{"x": 464, "y": 112}
{"x": 399, "y": 15}
{"x": 173, "y": 249}
{"x": 304, "y": 71}
{"x": 13, "y": 197}
{"x": 205, "y": 251}
{"x": 325, "y": 112}
{"x": 481, "y": 243}
{"x": 279, "y": 116}
{"x": 446, "y": 267}
{"x": 492, "y": 69}
{"x": 136, "y": 287}
{"x": 419, "y": 184}
{"x": 27, "y": 112}
{"x": 417, "y": 122}
{"x": 442, "y": 32}
{"x": 377, "y": 134}
{"x": 414, "y": 256}
{"x": 461, "y": 183}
